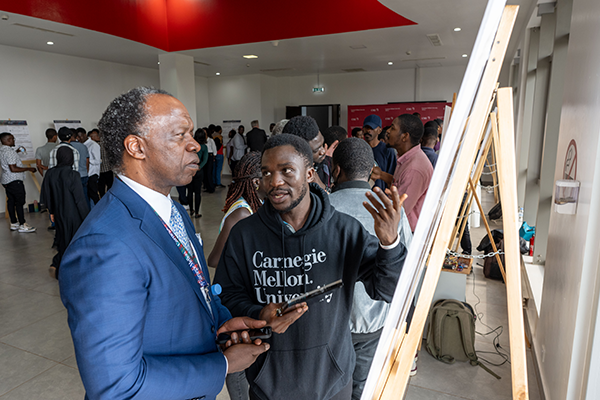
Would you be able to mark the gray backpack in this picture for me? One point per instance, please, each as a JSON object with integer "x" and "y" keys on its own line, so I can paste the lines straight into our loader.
{"x": 451, "y": 334}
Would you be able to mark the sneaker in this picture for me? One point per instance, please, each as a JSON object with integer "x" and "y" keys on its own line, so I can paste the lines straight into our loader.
{"x": 26, "y": 228}
{"x": 186, "y": 206}
{"x": 413, "y": 370}
{"x": 14, "y": 227}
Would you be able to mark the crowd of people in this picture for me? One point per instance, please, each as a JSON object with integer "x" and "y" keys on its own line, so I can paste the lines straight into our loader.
{"x": 305, "y": 208}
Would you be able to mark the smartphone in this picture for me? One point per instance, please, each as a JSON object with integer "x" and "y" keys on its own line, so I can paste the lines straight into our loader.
{"x": 309, "y": 295}
{"x": 262, "y": 333}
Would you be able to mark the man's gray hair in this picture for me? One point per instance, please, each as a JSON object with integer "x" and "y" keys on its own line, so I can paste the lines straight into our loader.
{"x": 254, "y": 123}
{"x": 124, "y": 116}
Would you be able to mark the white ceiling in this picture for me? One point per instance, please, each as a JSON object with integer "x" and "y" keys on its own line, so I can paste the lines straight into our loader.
{"x": 406, "y": 47}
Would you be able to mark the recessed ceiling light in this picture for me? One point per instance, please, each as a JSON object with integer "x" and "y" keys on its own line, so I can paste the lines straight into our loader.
{"x": 390, "y": 63}
{"x": 250, "y": 56}
{"x": 49, "y": 43}
{"x": 457, "y": 29}
{"x": 465, "y": 55}
{"x": 218, "y": 73}
{"x": 159, "y": 63}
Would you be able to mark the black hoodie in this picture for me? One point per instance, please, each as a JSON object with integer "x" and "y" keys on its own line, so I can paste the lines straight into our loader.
{"x": 265, "y": 262}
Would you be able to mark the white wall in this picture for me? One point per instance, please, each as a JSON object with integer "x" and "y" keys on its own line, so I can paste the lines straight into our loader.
{"x": 253, "y": 96}
{"x": 40, "y": 87}
{"x": 235, "y": 97}
{"x": 565, "y": 329}
{"x": 202, "y": 103}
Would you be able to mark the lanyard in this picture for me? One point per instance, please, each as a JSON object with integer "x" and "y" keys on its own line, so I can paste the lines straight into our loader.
{"x": 191, "y": 260}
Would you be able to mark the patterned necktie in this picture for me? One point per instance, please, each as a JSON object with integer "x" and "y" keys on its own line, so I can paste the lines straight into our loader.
{"x": 178, "y": 228}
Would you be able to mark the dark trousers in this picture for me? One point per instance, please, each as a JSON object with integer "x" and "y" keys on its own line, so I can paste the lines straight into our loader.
{"x": 194, "y": 188}
{"x": 365, "y": 351}
{"x": 181, "y": 191}
{"x": 15, "y": 195}
{"x": 92, "y": 188}
{"x": 232, "y": 166}
{"x": 105, "y": 181}
{"x": 465, "y": 240}
{"x": 84, "y": 182}
{"x": 208, "y": 174}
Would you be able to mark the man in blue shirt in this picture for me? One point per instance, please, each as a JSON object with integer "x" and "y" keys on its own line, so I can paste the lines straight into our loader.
{"x": 385, "y": 158}
{"x": 428, "y": 142}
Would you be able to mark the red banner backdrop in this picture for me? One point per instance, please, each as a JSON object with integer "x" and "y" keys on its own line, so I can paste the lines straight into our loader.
{"x": 387, "y": 112}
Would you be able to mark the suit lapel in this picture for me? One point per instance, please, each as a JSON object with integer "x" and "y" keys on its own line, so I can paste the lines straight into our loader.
{"x": 152, "y": 226}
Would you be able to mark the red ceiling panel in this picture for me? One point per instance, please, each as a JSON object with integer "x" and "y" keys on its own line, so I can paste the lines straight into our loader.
{"x": 175, "y": 25}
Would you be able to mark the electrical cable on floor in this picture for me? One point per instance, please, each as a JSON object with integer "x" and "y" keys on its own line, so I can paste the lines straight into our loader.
{"x": 498, "y": 331}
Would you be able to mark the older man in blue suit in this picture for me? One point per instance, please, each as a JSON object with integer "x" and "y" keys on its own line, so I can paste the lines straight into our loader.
{"x": 134, "y": 280}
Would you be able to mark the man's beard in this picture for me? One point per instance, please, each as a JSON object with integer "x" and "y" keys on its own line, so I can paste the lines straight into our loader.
{"x": 295, "y": 202}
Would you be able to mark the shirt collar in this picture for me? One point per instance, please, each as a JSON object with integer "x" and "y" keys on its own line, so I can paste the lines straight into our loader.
{"x": 409, "y": 154}
{"x": 351, "y": 185}
{"x": 159, "y": 202}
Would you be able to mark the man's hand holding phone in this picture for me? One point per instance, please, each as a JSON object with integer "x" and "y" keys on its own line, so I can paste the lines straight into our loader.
{"x": 280, "y": 323}
{"x": 240, "y": 351}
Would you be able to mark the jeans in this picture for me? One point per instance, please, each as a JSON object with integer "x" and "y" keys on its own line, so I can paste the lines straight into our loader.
{"x": 237, "y": 386}
{"x": 15, "y": 195}
{"x": 218, "y": 167}
{"x": 84, "y": 182}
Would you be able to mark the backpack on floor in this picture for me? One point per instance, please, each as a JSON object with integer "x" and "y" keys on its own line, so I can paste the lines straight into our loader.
{"x": 451, "y": 333}
{"x": 491, "y": 269}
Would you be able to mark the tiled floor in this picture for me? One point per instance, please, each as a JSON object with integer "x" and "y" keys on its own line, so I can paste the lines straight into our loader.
{"x": 36, "y": 353}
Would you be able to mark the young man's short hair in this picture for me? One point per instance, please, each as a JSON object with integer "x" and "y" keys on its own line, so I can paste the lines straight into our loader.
{"x": 334, "y": 133}
{"x": 413, "y": 126}
{"x": 303, "y": 126}
{"x": 300, "y": 145}
{"x": 354, "y": 156}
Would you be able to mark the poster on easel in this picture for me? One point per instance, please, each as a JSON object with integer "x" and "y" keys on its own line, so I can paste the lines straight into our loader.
{"x": 20, "y": 131}
{"x": 69, "y": 123}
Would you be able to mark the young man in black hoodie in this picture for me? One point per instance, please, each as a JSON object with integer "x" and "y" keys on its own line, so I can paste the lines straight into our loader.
{"x": 295, "y": 243}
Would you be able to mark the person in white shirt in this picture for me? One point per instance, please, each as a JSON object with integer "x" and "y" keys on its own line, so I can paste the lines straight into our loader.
{"x": 95, "y": 161}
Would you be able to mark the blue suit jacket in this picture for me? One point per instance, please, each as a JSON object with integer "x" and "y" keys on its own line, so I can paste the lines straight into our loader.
{"x": 140, "y": 325}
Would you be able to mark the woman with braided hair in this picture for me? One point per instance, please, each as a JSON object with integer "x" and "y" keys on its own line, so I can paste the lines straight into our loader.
{"x": 244, "y": 197}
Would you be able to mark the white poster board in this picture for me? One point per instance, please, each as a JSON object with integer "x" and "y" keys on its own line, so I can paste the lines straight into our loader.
{"x": 69, "y": 123}
{"x": 229, "y": 125}
{"x": 20, "y": 131}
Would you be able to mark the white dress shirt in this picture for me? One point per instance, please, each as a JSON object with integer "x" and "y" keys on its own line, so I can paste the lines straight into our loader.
{"x": 95, "y": 160}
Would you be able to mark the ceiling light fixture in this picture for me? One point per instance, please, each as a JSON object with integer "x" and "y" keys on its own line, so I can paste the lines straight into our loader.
{"x": 49, "y": 43}
{"x": 457, "y": 29}
{"x": 218, "y": 73}
{"x": 465, "y": 56}
{"x": 250, "y": 56}
{"x": 390, "y": 63}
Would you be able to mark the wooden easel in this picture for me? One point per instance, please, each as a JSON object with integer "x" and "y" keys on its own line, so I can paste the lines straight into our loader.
{"x": 485, "y": 148}
{"x": 393, "y": 379}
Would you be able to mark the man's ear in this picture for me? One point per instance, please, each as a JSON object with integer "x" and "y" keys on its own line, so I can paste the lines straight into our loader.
{"x": 135, "y": 147}
{"x": 310, "y": 174}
